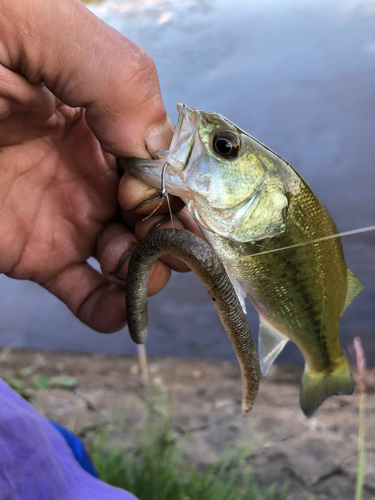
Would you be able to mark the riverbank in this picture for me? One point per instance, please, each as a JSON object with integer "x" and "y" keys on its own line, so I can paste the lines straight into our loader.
{"x": 316, "y": 456}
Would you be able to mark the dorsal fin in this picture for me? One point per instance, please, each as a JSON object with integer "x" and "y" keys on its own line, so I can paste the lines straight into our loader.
{"x": 270, "y": 343}
{"x": 354, "y": 287}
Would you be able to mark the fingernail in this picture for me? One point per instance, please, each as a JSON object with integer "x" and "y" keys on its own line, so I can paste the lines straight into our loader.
{"x": 167, "y": 221}
{"x": 122, "y": 261}
{"x": 160, "y": 137}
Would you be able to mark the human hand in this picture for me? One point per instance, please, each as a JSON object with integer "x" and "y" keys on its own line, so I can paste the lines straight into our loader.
{"x": 70, "y": 88}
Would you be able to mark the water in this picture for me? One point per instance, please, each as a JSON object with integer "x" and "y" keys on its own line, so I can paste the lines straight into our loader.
{"x": 300, "y": 77}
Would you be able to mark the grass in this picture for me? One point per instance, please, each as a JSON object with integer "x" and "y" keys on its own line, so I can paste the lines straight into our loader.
{"x": 361, "y": 461}
{"x": 157, "y": 469}
{"x": 359, "y": 372}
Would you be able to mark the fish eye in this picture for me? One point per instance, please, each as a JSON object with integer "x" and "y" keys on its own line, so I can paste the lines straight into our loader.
{"x": 226, "y": 144}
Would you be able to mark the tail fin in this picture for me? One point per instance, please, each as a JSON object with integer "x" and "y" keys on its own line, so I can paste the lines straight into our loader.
{"x": 318, "y": 386}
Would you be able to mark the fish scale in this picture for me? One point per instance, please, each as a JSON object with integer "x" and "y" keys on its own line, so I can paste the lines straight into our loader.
{"x": 302, "y": 275}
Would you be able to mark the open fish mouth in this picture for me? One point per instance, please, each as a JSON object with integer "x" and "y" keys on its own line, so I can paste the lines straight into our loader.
{"x": 178, "y": 156}
{"x": 186, "y": 123}
{"x": 184, "y": 137}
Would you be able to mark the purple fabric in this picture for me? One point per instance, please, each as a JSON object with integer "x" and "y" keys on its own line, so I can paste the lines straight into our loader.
{"x": 35, "y": 461}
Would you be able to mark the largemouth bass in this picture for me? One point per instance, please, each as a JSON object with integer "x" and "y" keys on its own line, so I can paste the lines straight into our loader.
{"x": 250, "y": 205}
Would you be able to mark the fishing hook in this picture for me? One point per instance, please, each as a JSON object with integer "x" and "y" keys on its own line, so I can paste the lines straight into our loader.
{"x": 163, "y": 193}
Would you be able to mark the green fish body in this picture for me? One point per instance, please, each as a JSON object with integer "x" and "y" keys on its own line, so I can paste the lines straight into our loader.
{"x": 250, "y": 205}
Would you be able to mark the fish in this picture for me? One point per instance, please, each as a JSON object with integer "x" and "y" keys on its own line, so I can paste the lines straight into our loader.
{"x": 274, "y": 236}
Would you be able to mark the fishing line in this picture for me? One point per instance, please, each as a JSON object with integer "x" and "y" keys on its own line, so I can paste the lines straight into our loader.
{"x": 170, "y": 210}
{"x": 163, "y": 194}
{"x": 152, "y": 213}
{"x": 323, "y": 238}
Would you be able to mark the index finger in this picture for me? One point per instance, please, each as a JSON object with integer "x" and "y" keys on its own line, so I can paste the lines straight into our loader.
{"x": 84, "y": 62}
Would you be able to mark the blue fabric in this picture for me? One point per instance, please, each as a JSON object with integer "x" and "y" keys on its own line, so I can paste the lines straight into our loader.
{"x": 76, "y": 445}
{"x": 36, "y": 462}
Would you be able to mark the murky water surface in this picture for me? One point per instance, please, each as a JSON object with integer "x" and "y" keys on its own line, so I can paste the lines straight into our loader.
{"x": 300, "y": 77}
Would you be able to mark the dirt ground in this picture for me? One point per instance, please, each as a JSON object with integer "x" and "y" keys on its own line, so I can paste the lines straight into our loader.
{"x": 316, "y": 456}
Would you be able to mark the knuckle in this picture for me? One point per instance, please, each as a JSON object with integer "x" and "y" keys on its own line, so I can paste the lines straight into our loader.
{"x": 143, "y": 76}
{"x": 145, "y": 63}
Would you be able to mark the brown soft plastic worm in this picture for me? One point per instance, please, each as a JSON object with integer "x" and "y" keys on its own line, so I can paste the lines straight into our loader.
{"x": 201, "y": 259}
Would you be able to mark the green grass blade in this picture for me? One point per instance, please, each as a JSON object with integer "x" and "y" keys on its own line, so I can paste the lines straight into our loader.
{"x": 157, "y": 469}
{"x": 361, "y": 461}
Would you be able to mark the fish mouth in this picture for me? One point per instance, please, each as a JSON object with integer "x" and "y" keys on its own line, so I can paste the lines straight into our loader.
{"x": 177, "y": 158}
{"x": 181, "y": 107}
{"x": 172, "y": 164}
{"x": 184, "y": 137}
{"x": 187, "y": 118}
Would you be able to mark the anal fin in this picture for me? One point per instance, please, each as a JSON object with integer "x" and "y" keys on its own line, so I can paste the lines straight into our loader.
{"x": 270, "y": 343}
{"x": 354, "y": 287}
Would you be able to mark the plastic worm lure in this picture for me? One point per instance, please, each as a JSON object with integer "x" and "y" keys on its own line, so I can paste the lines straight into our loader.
{"x": 199, "y": 256}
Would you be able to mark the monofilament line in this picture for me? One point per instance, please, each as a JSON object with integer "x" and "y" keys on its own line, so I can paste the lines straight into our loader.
{"x": 170, "y": 210}
{"x": 323, "y": 238}
{"x": 163, "y": 193}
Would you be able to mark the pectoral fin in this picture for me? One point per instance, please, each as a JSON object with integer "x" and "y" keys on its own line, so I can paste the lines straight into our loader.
{"x": 270, "y": 343}
{"x": 354, "y": 287}
{"x": 241, "y": 294}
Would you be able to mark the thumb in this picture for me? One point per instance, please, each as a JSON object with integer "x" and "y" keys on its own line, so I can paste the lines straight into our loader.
{"x": 84, "y": 62}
